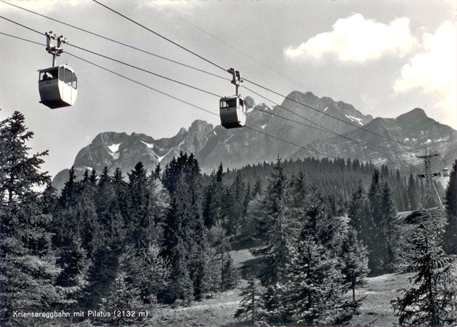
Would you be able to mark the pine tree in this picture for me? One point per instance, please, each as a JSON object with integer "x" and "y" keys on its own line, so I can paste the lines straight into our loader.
{"x": 139, "y": 222}
{"x": 184, "y": 240}
{"x": 315, "y": 286}
{"x": 123, "y": 297}
{"x": 275, "y": 226}
{"x": 389, "y": 228}
{"x": 212, "y": 207}
{"x": 432, "y": 299}
{"x": 354, "y": 257}
{"x": 73, "y": 278}
{"x": 251, "y": 304}
{"x": 450, "y": 236}
{"x": 28, "y": 267}
{"x": 147, "y": 271}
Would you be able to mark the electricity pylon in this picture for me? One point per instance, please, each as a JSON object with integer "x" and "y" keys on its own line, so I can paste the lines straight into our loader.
{"x": 430, "y": 196}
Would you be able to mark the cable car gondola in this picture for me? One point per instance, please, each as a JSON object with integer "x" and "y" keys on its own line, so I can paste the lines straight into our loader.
{"x": 446, "y": 172}
{"x": 58, "y": 85}
{"x": 232, "y": 112}
{"x": 232, "y": 109}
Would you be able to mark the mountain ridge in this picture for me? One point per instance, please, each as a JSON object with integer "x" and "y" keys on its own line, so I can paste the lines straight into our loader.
{"x": 260, "y": 140}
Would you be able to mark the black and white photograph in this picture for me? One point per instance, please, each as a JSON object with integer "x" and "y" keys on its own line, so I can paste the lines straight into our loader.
{"x": 228, "y": 163}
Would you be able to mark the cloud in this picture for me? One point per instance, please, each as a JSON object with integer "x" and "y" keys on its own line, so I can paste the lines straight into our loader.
{"x": 355, "y": 39}
{"x": 434, "y": 70}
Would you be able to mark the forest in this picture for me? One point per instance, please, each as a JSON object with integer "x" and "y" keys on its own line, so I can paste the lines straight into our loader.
{"x": 113, "y": 245}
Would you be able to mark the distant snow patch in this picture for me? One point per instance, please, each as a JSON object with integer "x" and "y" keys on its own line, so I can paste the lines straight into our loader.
{"x": 149, "y": 145}
{"x": 355, "y": 119}
{"x": 114, "y": 150}
{"x": 428, "y": 141}
{"x": 114, "y": 147}
{"x": 160, "y": 158}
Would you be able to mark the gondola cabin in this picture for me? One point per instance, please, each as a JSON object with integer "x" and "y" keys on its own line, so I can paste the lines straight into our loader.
{"x": 232, "y": 112}
{"x": 446, "y": 172}
{"x": 58, "y": 86}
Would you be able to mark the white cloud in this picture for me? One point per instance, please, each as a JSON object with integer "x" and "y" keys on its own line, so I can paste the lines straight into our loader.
{"x": 434, "y": 70}
{"x": 356, "y": 39}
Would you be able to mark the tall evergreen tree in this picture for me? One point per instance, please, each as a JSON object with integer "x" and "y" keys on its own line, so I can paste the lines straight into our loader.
{"x": 184, "y": 240}
{"x": 390, "y": 228}
{"x": 250, "y": 309}
{"x": 432, "y": 299}
{"x": 28, "y": 267}
{"x": 315, "y": 286}
{"x": 140, "y": 223}
{"x": 273, "y": 223}
{"x": 213, "y": 207}
{"x": 450, "y": 236}
{"x": 354, "y": 257}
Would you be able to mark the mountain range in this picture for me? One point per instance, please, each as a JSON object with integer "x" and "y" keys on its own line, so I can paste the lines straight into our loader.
{"x": 304, "y": 125}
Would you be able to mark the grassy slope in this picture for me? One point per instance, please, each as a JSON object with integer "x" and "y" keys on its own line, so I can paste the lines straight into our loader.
{"x": 219, "y": 310}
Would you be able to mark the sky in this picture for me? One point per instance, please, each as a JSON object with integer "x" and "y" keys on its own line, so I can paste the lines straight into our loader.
{"x": 384, "y": 57}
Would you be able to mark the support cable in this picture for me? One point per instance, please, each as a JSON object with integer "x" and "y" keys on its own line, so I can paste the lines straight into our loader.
{"x": 320, "y": 127}
{"x": 173, "y": 97}
{"x": 160, "y": 35}
{"x": 322, "y": 112}
{"x": 169, "y": 40}
{"x": 119, "y": 61}
{"x": 339, "y": 119}
{"x": 112, "y": 40}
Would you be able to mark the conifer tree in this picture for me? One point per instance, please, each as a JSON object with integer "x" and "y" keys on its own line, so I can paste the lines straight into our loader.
{"x": 450, "y": 236}
{"x": 184, "y": 240}
{"x": 123, "y": 297}
{"x": 212, "y": 207}
{"x": 140, "y": 223}
{"x": 28, "y": 267}
{"x": 432, "y": 299}
{"x": 354, "y": 257}
{"x": 315, "y": 286}
{"x": 147, "y": 271}
{"x": 273, "y": 222}
{"x": 389, "y": 228}
{"x": 250, "y": 309}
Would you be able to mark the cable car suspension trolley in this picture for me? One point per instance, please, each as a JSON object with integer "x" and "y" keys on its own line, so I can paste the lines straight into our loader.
{"x": 232, "y": 109}
{"x": 57, "y": 84}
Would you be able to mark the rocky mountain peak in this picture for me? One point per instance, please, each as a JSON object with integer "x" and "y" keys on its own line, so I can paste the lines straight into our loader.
{"x": 275, "y": 131}
{"x": 412, "y": 116}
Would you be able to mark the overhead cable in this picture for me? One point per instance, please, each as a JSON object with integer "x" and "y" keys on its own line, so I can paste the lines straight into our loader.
{"x": 160, "y": 35}
{"x": 323, "y": 112}
{"x": 119, "y": 61}
{"x": 115, "y": 41}
{"x": 163, "y": 93}
{"x": 207, "y": 60}
{"x": 319, "y": 128}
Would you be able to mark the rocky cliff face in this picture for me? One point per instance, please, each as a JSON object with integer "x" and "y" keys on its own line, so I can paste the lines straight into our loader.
{"x": 395, "y": 142}
{"x": 261, "y": 139}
